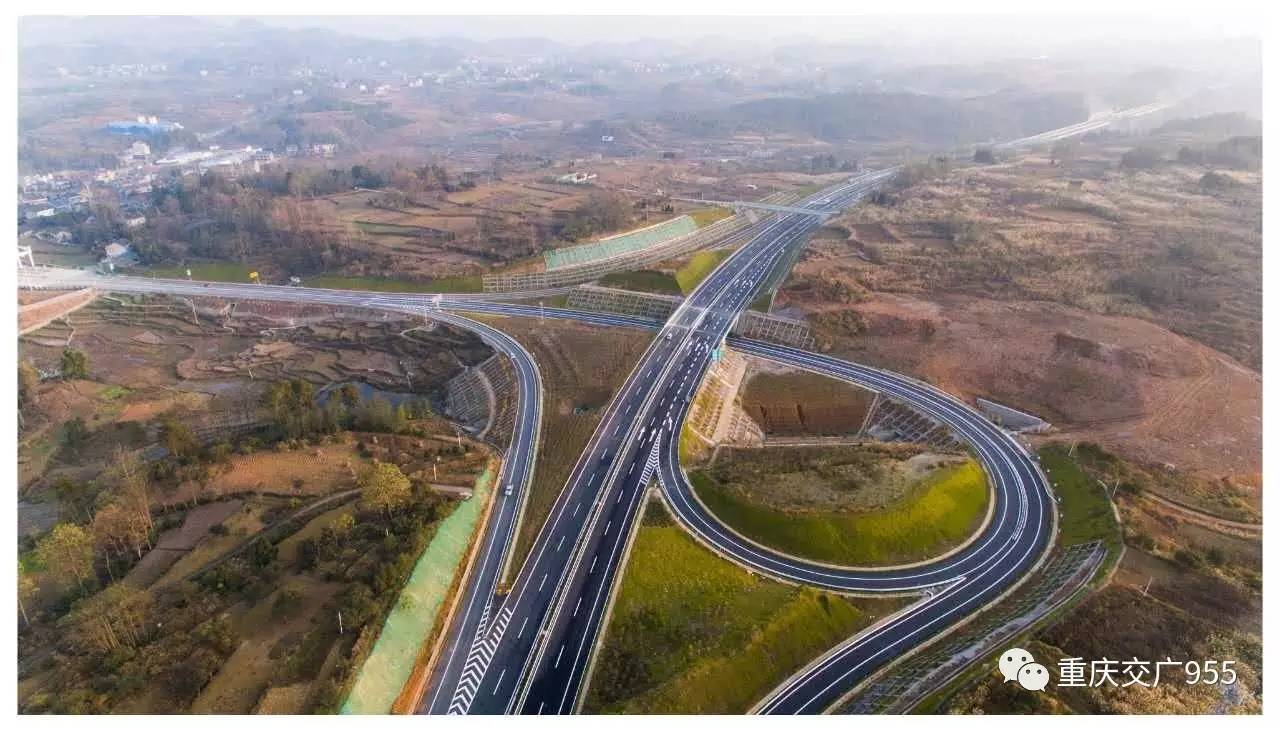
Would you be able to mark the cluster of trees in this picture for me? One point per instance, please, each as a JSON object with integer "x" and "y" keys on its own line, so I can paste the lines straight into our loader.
{"x": 115, "y": 640}
{"x": 375, "y": 551}
{"x": 124, "y": 640}
{"x": 28, "y": 385}
{"x": 1141, "y": 158}
{"x": 119, "y": 529}
{"x": 93, "y": 228}
{"x": 412, "y": 180}
{"x": 819, "y": 164}
{"x": 264, "y": 217}
{"x": 1236, "y": 153}
{"x": 297, "y": 411}
{"x": 892, "y": 116}
{"x": 1218, "y": 181}
{"x": 74, "y": 364}
{"x": 912, "y": 173}
{"x": 601, "y": 212}
{"x": 213, "y": 217}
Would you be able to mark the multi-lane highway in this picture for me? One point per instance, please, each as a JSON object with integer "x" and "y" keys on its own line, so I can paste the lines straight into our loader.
{"x": 530, "y": 650}
{"x": 1092, "y": 124}
{"x": 534, "y": 658}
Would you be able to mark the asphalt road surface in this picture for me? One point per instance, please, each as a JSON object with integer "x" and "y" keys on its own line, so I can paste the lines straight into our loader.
{"x": 530, "y": 651}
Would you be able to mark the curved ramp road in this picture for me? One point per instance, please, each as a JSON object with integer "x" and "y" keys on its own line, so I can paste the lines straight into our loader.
{"x": 1018, "y": 535}
{"x": 1022, "y": 514}
{"x": 531, "y": 650}
{"x": 474, "y": 612}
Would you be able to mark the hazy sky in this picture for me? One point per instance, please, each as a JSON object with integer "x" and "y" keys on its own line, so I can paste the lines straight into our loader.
{"x": 1038, "y": 28}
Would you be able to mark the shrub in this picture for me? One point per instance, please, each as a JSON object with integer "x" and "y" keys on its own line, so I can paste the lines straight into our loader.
{"x": 1189, "y": 558}
{"x": 1141, "y": 158}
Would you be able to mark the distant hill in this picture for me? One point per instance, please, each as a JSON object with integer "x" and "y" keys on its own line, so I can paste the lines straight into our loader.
{"x": 1232, "y": 124}
{"x": 892, "y": 116}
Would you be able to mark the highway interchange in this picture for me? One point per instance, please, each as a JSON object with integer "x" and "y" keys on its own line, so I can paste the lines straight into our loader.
{"x": 530, "y": 650}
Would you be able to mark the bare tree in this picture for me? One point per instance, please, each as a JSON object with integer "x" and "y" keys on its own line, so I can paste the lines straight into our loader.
{"x": 133, "y": 488}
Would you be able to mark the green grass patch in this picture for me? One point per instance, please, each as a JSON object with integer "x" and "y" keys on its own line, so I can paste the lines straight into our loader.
{"x": 211, "y": 271}
{"x": 444, "y": 285}
{"x": 763, "y": 302}
{"x": 708, "y": 637}
{"x": 706, "y": 216}
{"x": 29, "y": 562}
{"x": 700, "y": 265}
{"x": 113, "y": 392}
{"x": 938, "y": 513}
{"x": 645, "y": 280}
{"x": 1084, "y": 511}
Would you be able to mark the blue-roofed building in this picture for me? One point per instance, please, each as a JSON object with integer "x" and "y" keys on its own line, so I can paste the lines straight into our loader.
{"x": 143, "y": 127}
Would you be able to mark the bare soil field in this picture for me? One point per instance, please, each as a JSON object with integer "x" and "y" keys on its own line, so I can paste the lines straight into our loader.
{"x": 798, "y": 403}
{"x": 176, "y": 542}
{"x": 151, "y": 357}
{"x": 498, "y": 222}
{"x": 1123, "y": 307}
{"x": 1124, "y": 382}
{"x": 309, "y": 472}
{"x": 1202, "y": 595}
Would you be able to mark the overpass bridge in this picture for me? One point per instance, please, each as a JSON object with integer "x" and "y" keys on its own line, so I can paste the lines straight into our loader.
{"x": 771, "y": 207}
